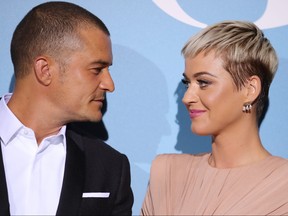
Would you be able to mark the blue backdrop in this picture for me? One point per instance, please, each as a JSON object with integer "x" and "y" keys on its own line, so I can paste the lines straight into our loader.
{"x": 145, "y": 115}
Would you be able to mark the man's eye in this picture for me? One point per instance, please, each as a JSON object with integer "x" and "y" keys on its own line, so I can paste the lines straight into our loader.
{"x": 96, "y": 70}
{"x": 185, "y": 82}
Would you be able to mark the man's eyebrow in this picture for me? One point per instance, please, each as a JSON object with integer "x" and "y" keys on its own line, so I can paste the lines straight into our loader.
{"x": 102, "y": 62}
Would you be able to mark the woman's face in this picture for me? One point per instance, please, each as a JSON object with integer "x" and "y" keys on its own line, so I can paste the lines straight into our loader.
{"x": 213, "y": 102}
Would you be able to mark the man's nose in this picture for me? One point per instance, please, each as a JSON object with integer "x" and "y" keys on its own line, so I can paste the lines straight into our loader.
{"x": 107, "y": 82}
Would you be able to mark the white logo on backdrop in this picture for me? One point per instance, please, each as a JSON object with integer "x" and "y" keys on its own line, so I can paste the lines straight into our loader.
{"x": 275, "y": 14}
{"x": 172, "y": 8}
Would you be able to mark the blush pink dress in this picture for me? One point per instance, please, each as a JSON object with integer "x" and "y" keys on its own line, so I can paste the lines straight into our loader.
{"x": 182, "y": 184}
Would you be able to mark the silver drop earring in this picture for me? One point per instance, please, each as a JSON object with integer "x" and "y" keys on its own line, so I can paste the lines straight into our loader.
{"x": 247, "y": 107}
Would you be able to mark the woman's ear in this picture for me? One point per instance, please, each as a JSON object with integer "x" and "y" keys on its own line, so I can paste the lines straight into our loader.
{"x": 42, "y": 70}
{"x": 253, "y": 87}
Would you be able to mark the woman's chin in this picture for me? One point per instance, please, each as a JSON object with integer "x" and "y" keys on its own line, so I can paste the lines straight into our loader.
{"x": 200, "y": 132}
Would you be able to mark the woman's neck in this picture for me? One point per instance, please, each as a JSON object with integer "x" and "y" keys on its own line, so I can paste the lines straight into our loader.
{"x": 237, "y": 149}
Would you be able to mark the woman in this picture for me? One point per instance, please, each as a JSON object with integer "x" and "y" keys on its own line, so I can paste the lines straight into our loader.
{"x": 228, "y": 70}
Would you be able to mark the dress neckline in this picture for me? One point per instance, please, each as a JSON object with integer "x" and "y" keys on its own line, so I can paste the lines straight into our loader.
{"x": 254, "y": 164}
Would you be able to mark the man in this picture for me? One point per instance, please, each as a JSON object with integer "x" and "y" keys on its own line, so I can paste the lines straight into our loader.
{"x": 61, "y": 55}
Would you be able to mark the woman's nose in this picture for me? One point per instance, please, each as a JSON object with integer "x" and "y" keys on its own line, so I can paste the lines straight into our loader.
{"x": 190, "y": 96}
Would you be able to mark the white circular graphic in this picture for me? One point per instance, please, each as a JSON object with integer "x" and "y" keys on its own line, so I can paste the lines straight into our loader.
{"x": 275, "y": 14}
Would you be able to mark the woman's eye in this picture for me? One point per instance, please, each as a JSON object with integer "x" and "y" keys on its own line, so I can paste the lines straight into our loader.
{"x": 186, "y": 83}
{"x": 203, "y": 83}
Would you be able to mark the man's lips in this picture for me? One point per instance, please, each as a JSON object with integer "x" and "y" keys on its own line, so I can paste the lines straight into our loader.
{"x": 99, "y": 99}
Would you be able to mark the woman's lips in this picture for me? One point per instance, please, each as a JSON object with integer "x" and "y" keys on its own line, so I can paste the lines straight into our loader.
{"x": 195, "y": 113}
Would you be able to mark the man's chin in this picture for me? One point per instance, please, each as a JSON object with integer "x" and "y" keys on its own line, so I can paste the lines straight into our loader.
{"x": 93, "y": 117}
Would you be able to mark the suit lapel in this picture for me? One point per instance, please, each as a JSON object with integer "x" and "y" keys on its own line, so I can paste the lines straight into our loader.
{"x": 4, "y": 202}
{"x": 73, "y": 182}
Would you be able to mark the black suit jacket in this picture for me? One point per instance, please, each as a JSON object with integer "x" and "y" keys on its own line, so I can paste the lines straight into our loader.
{"x": 91, "y": 166}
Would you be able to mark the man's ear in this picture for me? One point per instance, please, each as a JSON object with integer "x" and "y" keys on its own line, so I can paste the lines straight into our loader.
{"x": 42, "y": 70}
{"x": 253, "y": 87}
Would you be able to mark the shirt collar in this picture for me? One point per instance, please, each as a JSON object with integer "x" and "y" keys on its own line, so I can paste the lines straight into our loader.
{"x": 12, "y": 124}
{"x": 54, "y": 140}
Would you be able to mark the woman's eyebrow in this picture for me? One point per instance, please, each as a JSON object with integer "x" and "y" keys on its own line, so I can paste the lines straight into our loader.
{"x": 203, "y": 73}
{"x": 200, "y": 74}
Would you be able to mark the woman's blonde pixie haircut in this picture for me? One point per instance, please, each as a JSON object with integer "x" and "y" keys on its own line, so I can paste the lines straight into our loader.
{"x": 244, "y": 51}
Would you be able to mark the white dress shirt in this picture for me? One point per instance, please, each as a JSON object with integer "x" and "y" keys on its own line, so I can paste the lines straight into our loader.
{"x": 34, "y": 174}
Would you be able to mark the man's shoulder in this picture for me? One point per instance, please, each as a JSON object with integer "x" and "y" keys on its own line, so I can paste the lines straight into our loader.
{"x": 90, "y": 143}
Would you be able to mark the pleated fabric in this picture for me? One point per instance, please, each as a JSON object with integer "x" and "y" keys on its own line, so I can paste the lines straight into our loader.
{"x": 183, "y": 184}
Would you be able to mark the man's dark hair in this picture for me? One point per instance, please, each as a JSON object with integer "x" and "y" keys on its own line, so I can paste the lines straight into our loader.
{"x": 45, "y": 29}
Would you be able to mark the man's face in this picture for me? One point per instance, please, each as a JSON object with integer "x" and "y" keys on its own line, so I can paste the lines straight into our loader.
{"x": 80, "y": 88}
